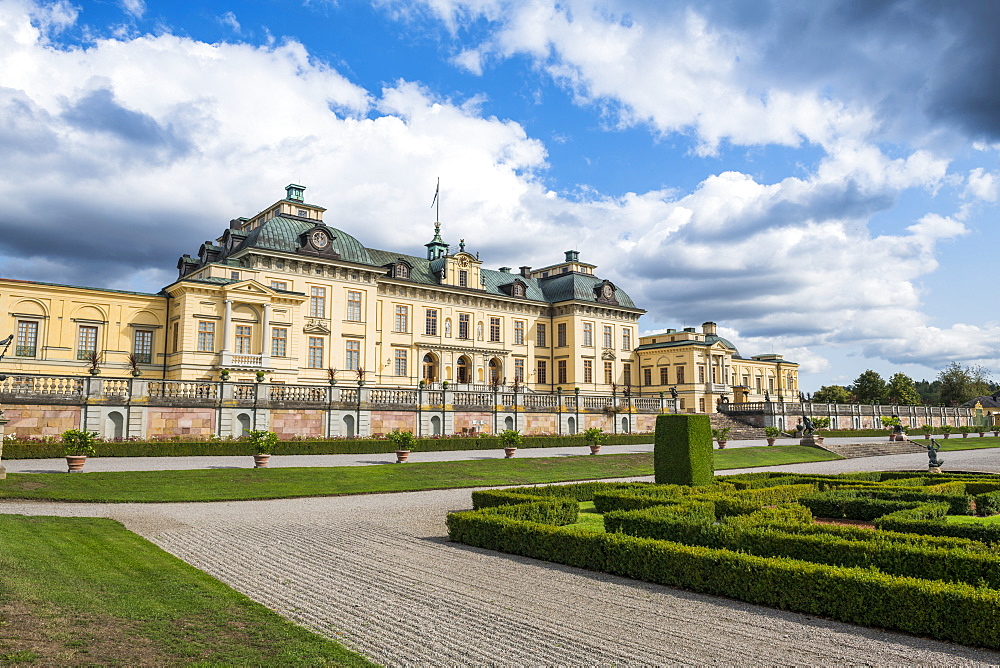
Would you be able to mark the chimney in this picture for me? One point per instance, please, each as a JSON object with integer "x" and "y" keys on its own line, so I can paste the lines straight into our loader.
{"x": 526, "y": 271}
{"x": 572, "y": 256}
{"x": 708, "y": 328}
{"x": 295, "y": 192}
{"x": 690, "y": 330}
{"x": 505, "y": 270}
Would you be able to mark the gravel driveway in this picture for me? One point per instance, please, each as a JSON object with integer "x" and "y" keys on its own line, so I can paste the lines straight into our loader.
{"x": 377, "y": 573}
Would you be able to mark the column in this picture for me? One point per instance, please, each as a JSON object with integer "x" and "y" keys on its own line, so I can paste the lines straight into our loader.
{"x": 227, "y": 325}
{"x": 265, "y": 337}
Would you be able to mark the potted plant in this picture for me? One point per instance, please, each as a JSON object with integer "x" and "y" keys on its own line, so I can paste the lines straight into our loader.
{"x": 946, "y": 430}
{"x": 260, "y": 376}
{"x": 95, "y": 358}
{"x": 331, "y": 376}
{"x": 772, "y": 434}
{"x": 721, "y": 435}
{"x": 965, "y": 429}
{"x": 263, "y": 443}
{"x": 509, "y": 440}
{"x": 224, "y": 375}
{"x": 78, "y": 445}
{"x": 133, "y": 363}
{"x": 595, "y": 438}
{"x": 361, "y": 376}
{"x": 403, "y": 442}
{"x": 996, "y": 430}
{"x": 926, "y": 430}
{"x": 891, "y": 423}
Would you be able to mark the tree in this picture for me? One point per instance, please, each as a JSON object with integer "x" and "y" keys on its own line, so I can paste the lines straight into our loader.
{"x": 832, "y": 394}
{"x": 869, "y": 388}
{"x": 961, "y": 383}
{"x": 902, "y": 391}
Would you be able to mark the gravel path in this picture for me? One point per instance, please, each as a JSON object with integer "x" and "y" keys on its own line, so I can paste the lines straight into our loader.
{"x": 377, "y": 573}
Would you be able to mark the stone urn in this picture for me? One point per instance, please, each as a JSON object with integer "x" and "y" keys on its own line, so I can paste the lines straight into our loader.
{"x": 402, "y": 456}
{"x": 771, "y": 441}
{"x": 595, "y": 449}
{"x": 509, "y": 452}
{"x": 75, "y": 463}
{"x": 260, "y": 461}
{"x": 722, "y": 444}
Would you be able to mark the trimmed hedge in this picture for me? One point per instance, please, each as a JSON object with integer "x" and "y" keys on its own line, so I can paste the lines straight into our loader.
{"x": 584, "y": 491}
{"x": 853, "y": 506}
{"x": 360, "y": 446}
{"x": 913, "y": 522}
{"x": 556, "y": 512}
{"x": 988, "y": 503}
{"x": 956, "y": 612}
{"x": 682, "y": 450}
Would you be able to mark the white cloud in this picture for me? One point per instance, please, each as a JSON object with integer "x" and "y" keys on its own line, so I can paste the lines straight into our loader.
{"x": 982, "y": 185}
{"x": 229, "y": 19}
{"x": 135, "y": 8}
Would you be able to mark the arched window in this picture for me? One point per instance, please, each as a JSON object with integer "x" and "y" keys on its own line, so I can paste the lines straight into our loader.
{"x": 495, "y": 369}
{"x": 518, "y": 290}
{"x": 401, "y": 271}
{"x": 430, "y": 368}
{"x": 464, "y": 370}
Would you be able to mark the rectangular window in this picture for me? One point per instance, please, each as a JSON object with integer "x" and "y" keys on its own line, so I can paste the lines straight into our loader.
{"x": 234, "y": 275}
{"x": 627, "y": 373}
{"x": 701, "y": 404}
{"x": 609, "y": 373}
{"x": 540, "y": 336}
{"x": 279, "y": 341}
{"x": 463, "y": 325}
{"x": 664, "y": 375}
{"x": 608, "y": 340}
{"x": 701, "y": 373}
{"x": 746, "y": 381}
{"x": 317, "y": 303}
{"x": 177, "y": 336}
{"x": 588, "y": 371}
{"x": 588, "y": 334}
{"x": 463, "y": 278}
{"x": 206, "y": 336}
{"x": 561, "y": 334}
{"x": 757, "y": 381}
{"x": 86, "y": 342}
{"x": 494, "y": 329}
{"x": 541, "y": 372}
{"x": 352, "y": 355}
{"x": 243, "y": 333}
{"x": 561, "y": 371}
{"x": 142, "y": 346}
{"x": 431, "y": 322}
{"x": 316, "y": 355}
{"x": 682, "y": 405}
{"x": 402, "y": 323}
{"x": 401, "y": 366}
{"x": 770, "y": 384}
{"x": 626, "y": 339}
{"x": 680, "y": 375}
{"x": 647, "y": 377}
{"x": 279, "y": 285}
{"x": 27, "y": 338}
{"x": 519, "y": 370}
{"x": 518, "y": 332}
{"x": 353, "y": 306}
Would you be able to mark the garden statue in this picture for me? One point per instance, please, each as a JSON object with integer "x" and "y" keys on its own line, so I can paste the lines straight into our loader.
{"x": 673, "y": 393}
{"x": 932, "y": 459}
{"x": 808, "y": 426}
{"x": 767, "y": 396}
{"x": 897, "y": 428}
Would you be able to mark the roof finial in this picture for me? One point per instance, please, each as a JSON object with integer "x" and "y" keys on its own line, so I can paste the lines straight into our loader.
{"x": 461, "y": 245}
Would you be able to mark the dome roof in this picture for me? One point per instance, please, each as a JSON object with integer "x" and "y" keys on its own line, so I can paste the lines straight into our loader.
{"x": 282, "y": 234}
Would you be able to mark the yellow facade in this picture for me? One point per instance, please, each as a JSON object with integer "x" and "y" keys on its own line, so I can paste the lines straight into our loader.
{"x": 706, "y": 369}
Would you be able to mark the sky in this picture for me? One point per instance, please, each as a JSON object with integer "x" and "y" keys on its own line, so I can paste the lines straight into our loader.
{"x": 820, "y": 179}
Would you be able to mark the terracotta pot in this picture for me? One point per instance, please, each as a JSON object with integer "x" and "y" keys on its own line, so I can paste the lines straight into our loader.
{"x": 402, "y": 456}
{"x": 509, "y": 452}
{"x": 927, "y": 437}
{"x": 947, "y": 435}
{"x": 981, "y": 434}
{"x": 595, "y": 449}
{"x": 771, "y": 441}
{"x": 75, "y": 462}
{"x": 996, "y": 433}
{"x": 260, "y": 461}
{"x": 722, "y": 444}
{"x": 965, "y": 436}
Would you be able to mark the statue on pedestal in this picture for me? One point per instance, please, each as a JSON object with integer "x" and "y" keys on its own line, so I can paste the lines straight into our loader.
{"x": 933, "y": 463}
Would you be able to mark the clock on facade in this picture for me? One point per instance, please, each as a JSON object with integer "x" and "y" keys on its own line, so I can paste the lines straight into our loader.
{"x": 319, "y": 239}
{"x": 607, "y": 291}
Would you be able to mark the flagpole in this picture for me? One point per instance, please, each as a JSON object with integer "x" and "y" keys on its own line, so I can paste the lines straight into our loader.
{"x": 437, "y": 201}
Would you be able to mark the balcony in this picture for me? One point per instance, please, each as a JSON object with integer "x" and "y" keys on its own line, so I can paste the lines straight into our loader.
{"x": 240, "y": 361}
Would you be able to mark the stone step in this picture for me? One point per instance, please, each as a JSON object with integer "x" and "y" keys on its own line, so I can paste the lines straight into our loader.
{"x": 739, "y": 431}
{"x": 874, "y": 448}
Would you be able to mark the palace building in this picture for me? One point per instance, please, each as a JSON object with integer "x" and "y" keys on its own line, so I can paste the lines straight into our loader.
{"x": 285, "y": 295}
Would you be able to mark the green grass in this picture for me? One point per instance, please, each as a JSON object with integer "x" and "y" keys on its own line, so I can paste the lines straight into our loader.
{"x": 973, "y": 442}
{"x": 278, "y": 483}
{"x": 969, "y": 519}
{"x": 83, "y": 591}
{"x": 589, "y": 519}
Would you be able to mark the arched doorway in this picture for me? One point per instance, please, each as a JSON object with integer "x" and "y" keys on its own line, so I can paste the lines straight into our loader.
{"x": 625, "y": 425}
{"x": 571, "y": 425}
{"x": 349, "y": 425}
{"x": 464, "y": 370}
{"x": 508, "y": 422}
{"x": 435, "y": 425}
{"x": 244, "y": 421}
{"x": 495, "y": 371}
{"x": 429, "y": 368}
{"x": 116, "y": 425}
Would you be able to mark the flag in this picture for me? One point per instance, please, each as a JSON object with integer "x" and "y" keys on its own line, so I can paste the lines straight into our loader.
{"x": 436, "y": 191}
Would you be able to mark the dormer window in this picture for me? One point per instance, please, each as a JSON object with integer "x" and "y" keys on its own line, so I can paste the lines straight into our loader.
{"x": 303, "y": 213}
{"x": 401, "y": 270}
{"x": 518, "y": 290}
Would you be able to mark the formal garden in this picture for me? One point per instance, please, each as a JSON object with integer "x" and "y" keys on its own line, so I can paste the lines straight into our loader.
{"x": 906, "y": 551}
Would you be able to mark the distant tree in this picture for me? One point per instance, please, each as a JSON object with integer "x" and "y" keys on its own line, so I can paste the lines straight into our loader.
{"x": 902, "y": 391}
{"x": 929, "y": 391}
{"x": 832, "y": 394}
{"x": 960, "y": 383}
{"x": 869, "y": 388}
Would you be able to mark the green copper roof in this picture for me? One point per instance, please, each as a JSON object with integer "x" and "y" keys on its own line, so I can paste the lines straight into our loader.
{"x": 565, "y": 287}
{"x": 282, "y": 234}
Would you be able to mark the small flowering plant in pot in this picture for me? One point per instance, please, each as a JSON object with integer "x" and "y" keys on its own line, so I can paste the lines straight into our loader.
{"x": 403, "y": 442}
{"x": 926, "y": 430}
{"x": 947, "y": 430}
{"x": 772, "y": 434}
{"x": 78, "y": 445}
{"x": 510, "y": 439}
{"x": 263, "y": 443}
{"x": 595, "y": 438}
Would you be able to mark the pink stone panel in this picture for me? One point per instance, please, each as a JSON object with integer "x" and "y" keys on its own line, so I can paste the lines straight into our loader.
{"x": 40, "y": 421}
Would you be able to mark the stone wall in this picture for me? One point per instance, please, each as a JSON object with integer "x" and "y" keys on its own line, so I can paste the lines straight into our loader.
{"x": 169, "y": 422}
{"x": 298, "y": 424}
{"x": 41, "y": 421}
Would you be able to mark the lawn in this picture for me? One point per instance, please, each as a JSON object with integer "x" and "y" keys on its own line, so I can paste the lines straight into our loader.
{"x": 276, "y": 483}
{"x": 973, "y": 442}
{"x": 88, "y": 592}
{"x": 969, "y": 519}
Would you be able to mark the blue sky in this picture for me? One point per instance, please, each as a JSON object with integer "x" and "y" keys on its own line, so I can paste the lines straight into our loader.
{"x": 819, "y": 178}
